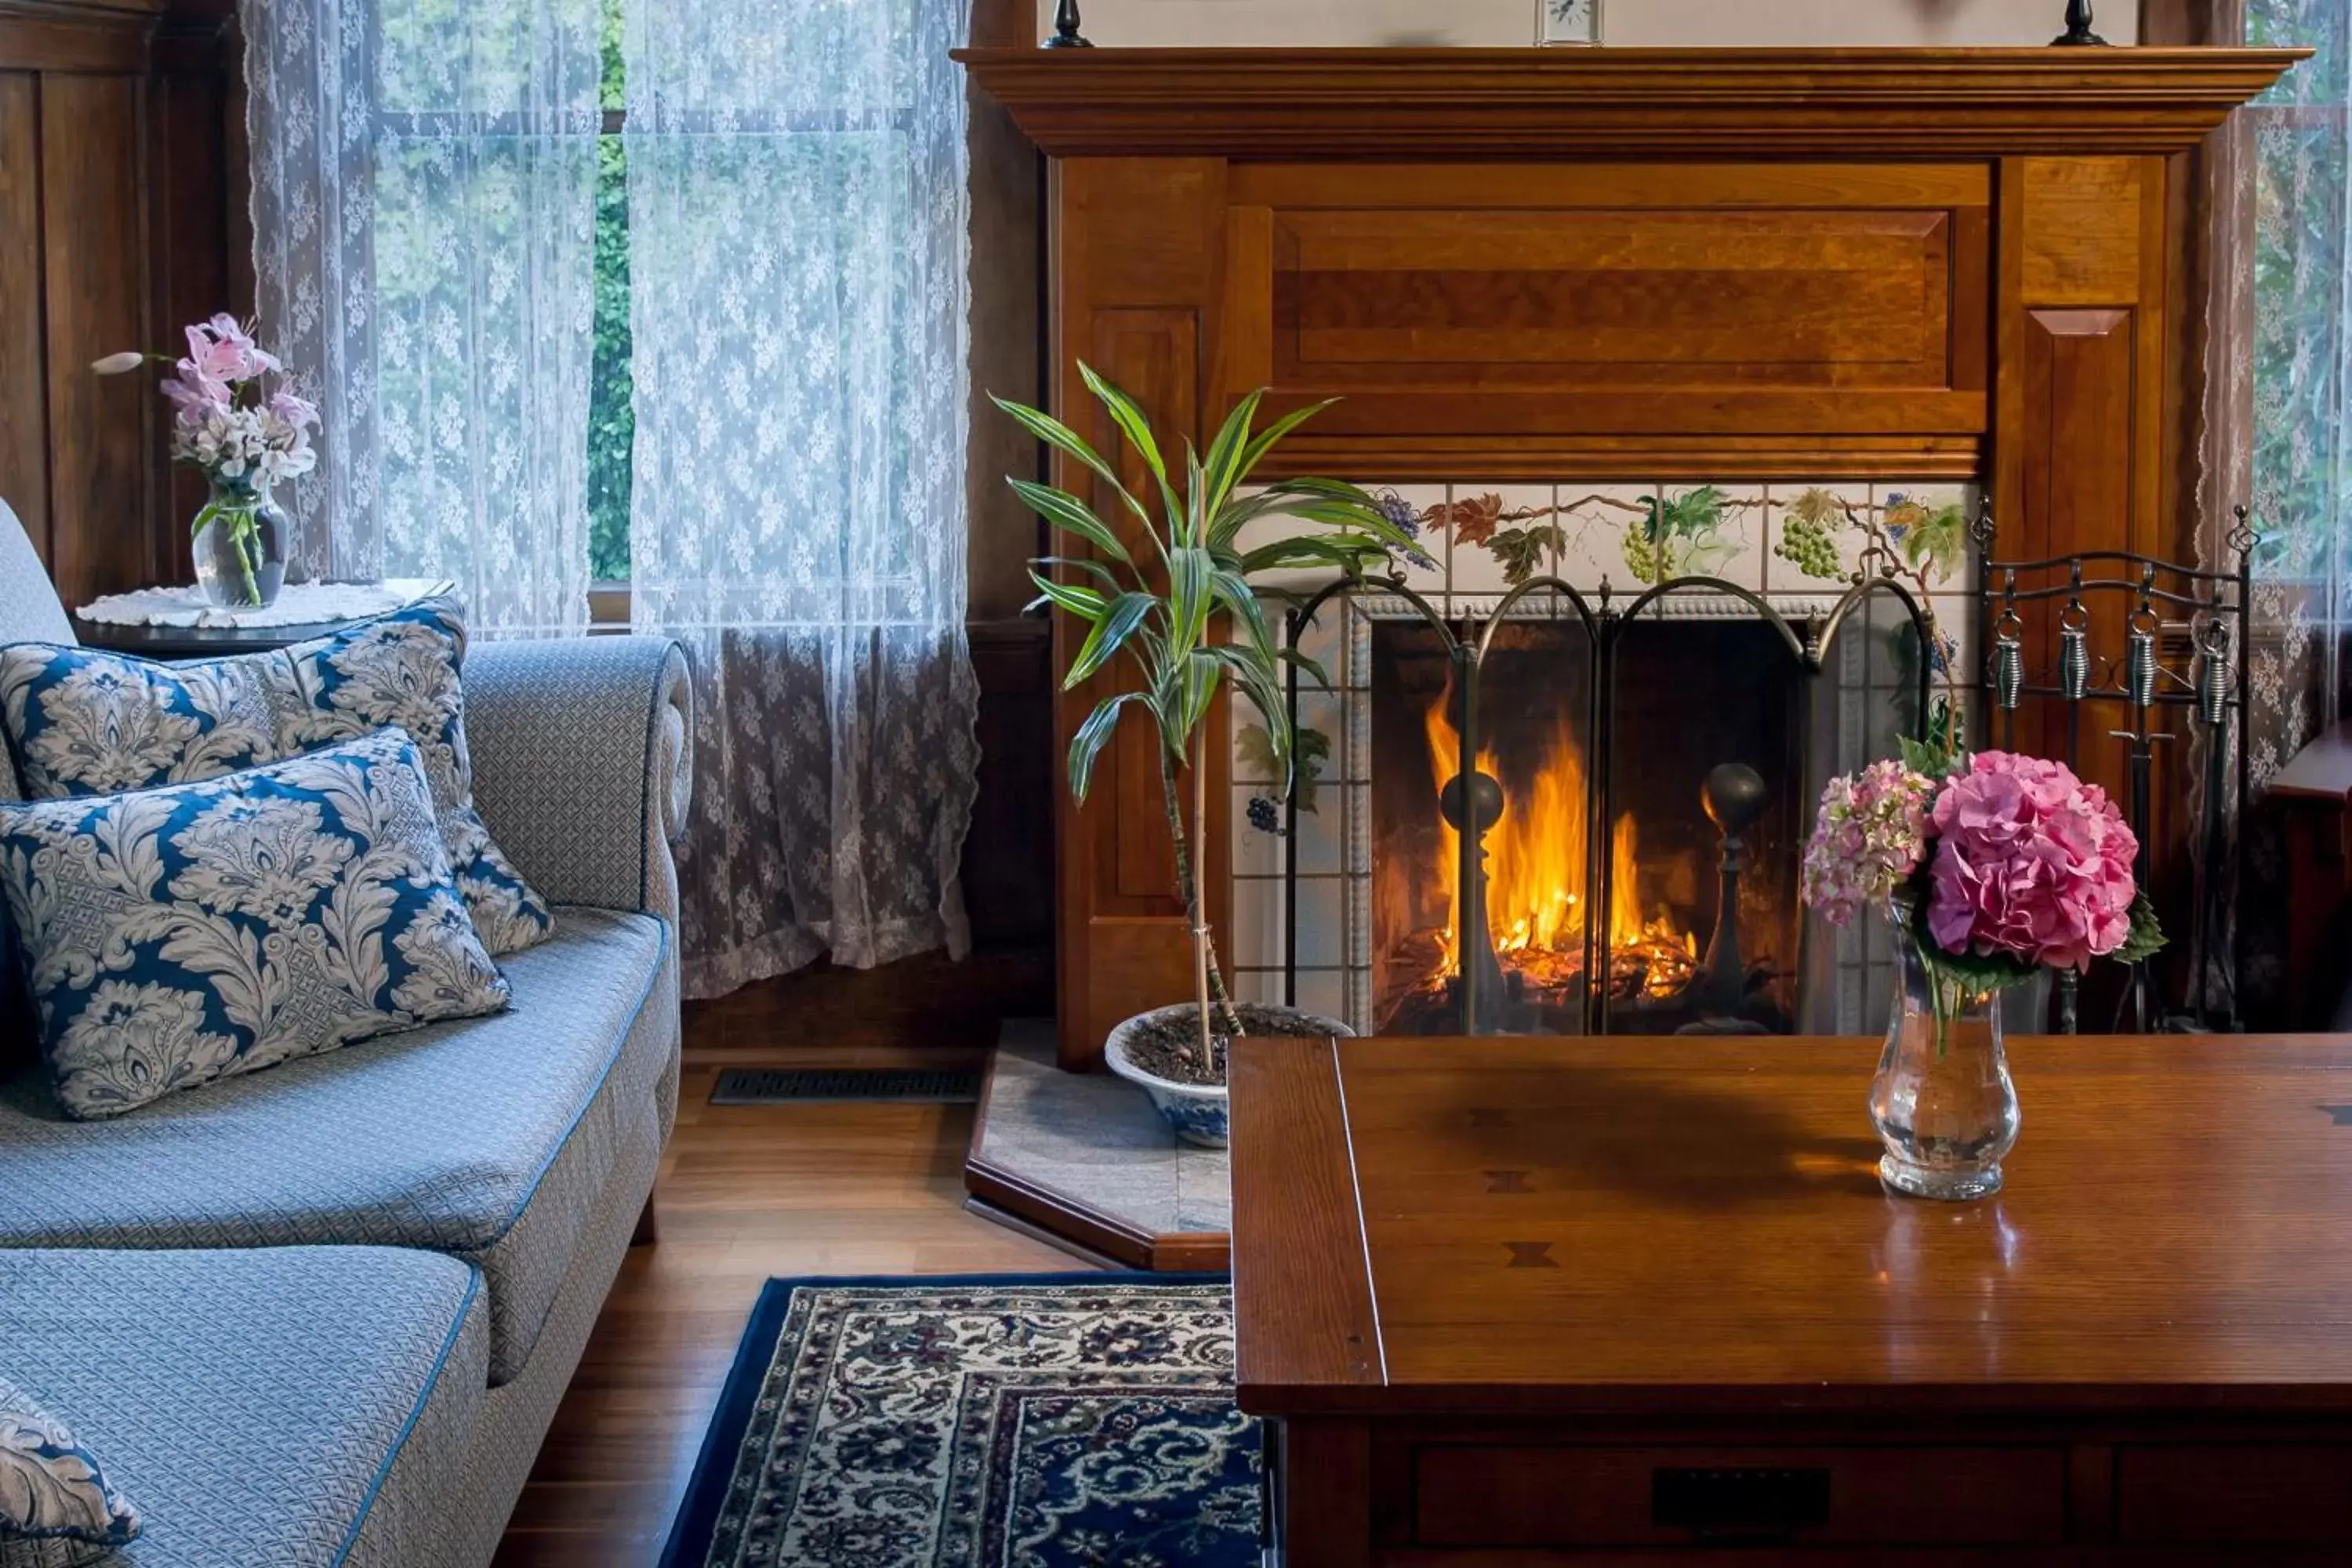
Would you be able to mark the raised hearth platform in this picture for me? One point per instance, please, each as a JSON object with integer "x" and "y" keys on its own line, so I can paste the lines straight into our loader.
{"x": 1084, "y": 1158}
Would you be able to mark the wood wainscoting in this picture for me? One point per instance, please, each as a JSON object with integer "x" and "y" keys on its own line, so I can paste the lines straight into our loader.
{"x": 1616, "y": 264}
{"x": 122, "y": 215}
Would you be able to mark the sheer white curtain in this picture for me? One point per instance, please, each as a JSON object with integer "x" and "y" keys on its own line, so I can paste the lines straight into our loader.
{"x": 798, "y": 224}
{"x": 423, "y": 207}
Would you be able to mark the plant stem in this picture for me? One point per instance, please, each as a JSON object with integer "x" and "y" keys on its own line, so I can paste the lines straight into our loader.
{"x": 1188, "y": 889}
{"x": 246, "y": 536}
{"x": 1200, "y": 924}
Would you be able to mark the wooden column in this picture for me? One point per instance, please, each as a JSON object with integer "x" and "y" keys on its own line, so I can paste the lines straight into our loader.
{"x": 1135, "y": 287}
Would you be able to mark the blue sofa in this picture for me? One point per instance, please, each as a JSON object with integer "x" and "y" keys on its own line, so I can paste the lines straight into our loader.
{"x": 323, "y": 1313}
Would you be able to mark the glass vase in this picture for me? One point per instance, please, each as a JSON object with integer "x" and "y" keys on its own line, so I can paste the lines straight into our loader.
{"x": 240, "y": 548}
{"x": 1943, "y": 1102}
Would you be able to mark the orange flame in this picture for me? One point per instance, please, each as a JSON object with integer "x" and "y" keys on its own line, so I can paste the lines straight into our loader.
{"x": 1535, "y": 854}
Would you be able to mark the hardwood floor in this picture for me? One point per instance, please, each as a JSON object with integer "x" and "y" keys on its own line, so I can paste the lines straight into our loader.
{"x": 746, "y": 1194}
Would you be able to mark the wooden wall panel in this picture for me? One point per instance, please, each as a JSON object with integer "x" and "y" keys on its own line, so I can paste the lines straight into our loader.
{"x": 93, "y": 235}
{"x": 24, "y": 379}
{"x": 122, "y": 196}
{"x": 1135, "y": 295}
{"x": 2087, "y": 441}
{"x": 1458, "y": 298}
{"x": 1539, "y": 320}
{"x": 199, "y": 220}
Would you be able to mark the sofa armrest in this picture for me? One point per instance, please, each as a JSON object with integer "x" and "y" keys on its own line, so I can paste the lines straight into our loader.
{"x": 583, "y": 767}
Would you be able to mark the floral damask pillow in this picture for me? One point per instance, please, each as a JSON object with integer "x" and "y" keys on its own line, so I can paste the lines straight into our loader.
{"x": 82, "y": 723}
{"x": 177, "y": 935}
{"x": 56, "y": 1506}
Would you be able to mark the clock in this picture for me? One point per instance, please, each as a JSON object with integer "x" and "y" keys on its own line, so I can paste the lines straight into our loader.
{"x": 1567, "y": 21}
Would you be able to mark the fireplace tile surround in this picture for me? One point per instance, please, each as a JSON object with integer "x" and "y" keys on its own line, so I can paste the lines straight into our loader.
{"x": 1481, "y": 540}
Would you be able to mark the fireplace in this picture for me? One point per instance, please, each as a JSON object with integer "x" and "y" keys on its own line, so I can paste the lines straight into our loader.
{"x": 1648, "y": 745}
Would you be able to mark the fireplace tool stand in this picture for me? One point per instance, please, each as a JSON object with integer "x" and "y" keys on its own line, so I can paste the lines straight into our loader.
{"x": 2179, "y": 657}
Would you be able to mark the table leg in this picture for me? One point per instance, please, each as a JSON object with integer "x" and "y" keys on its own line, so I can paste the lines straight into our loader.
{"x": 1322, "y": 1493}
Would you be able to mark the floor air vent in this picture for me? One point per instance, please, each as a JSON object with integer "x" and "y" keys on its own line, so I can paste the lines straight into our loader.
{"x": 774, "y": 1086}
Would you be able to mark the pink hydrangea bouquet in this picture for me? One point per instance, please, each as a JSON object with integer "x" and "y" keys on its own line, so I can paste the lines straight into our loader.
{"x": 1997, "y": 865}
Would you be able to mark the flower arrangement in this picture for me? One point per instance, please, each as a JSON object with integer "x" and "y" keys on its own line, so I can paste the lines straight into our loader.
{"x": 1996, "y": 866}
{"x": 243, "y": 438}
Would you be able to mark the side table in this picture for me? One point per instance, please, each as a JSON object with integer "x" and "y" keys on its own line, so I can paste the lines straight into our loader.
{"x": 176, "y": 643}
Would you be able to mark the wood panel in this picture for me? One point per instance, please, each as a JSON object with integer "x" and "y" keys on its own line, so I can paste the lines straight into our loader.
{"x": 2088, "y": 444}
{"x": 2084, "y": 248}
{"x": 198, "y": 222}
{"x": 93, "y": 259}
{"x": 23, "y": 373}
{"x": 1141, "y": 253}
{"x": 122, "y": 199}
{"x": 1670, "y": 299}
{"x": 1549, "y": 321}
{"x": 1493, "y": 1495}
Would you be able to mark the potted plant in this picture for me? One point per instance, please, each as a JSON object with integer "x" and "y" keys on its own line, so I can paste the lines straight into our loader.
{"x": 1184, "y": 622}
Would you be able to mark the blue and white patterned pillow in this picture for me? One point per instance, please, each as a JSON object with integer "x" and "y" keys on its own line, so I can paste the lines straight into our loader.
{"x": 177, "y": 935}
{"x": 56, "y": 1506}
{"x": 80, "y": 722}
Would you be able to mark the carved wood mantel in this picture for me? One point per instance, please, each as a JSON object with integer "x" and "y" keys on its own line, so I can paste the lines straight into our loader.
{"x": 1612, "y": 264}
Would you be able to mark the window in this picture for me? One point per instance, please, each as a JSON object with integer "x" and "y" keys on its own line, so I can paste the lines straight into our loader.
{"x": 2302, "y": 447}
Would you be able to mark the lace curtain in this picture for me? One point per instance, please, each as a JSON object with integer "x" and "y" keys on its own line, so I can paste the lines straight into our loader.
{"x": 797, "y": 212}
{"x": 424, "y": 201}
{"x": 2283, "y": 279}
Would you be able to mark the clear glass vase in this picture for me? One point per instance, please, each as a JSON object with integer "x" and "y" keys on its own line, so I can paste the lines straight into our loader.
{"x": 1943, "y": 1102}
{"x": 240, "y": 548}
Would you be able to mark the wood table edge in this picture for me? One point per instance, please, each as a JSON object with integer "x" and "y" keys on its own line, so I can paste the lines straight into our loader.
{"x": 1305, "y": 1308}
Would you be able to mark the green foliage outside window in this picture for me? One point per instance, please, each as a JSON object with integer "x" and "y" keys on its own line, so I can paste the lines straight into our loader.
{"x": 611, "y": 414}
{"x": 2302, "y": 469}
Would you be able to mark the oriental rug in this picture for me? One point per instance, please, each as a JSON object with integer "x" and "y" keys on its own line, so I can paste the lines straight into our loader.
{"x": 1065, "y": 1421}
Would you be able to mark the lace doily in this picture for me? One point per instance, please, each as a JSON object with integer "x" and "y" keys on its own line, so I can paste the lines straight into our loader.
{"x": 298, "y": 605}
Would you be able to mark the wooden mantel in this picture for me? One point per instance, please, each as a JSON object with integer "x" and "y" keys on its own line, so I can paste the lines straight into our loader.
{"x": 1519, "y": 104}
{"x": 1613, "y": 265}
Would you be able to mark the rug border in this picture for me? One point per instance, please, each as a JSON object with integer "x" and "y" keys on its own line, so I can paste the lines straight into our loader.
{"x": 731, "y": 1415}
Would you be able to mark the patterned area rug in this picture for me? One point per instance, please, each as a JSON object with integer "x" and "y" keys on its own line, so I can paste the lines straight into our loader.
{"x": 1063, "y": 1421}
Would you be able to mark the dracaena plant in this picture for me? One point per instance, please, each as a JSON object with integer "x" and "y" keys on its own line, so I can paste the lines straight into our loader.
{"x": 1171, "y": 613}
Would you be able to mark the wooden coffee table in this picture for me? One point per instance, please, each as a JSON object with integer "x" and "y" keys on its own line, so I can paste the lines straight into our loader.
{"x": 1535, "y": 1301}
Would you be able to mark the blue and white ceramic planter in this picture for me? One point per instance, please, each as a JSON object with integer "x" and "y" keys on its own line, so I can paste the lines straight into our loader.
{"x": 1196, "y": 1112}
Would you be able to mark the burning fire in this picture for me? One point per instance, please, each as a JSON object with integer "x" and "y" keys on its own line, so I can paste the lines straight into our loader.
{"x": 1534, "y": 876}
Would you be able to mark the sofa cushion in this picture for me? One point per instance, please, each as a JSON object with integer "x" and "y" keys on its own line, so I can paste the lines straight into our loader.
{"x": 175, "y": 936}
{"x": 488, "y": 1140}
{"x": 283, "y": 1406}
{"x": 81, "y": 721}
{"x": 57, "y": 1501}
